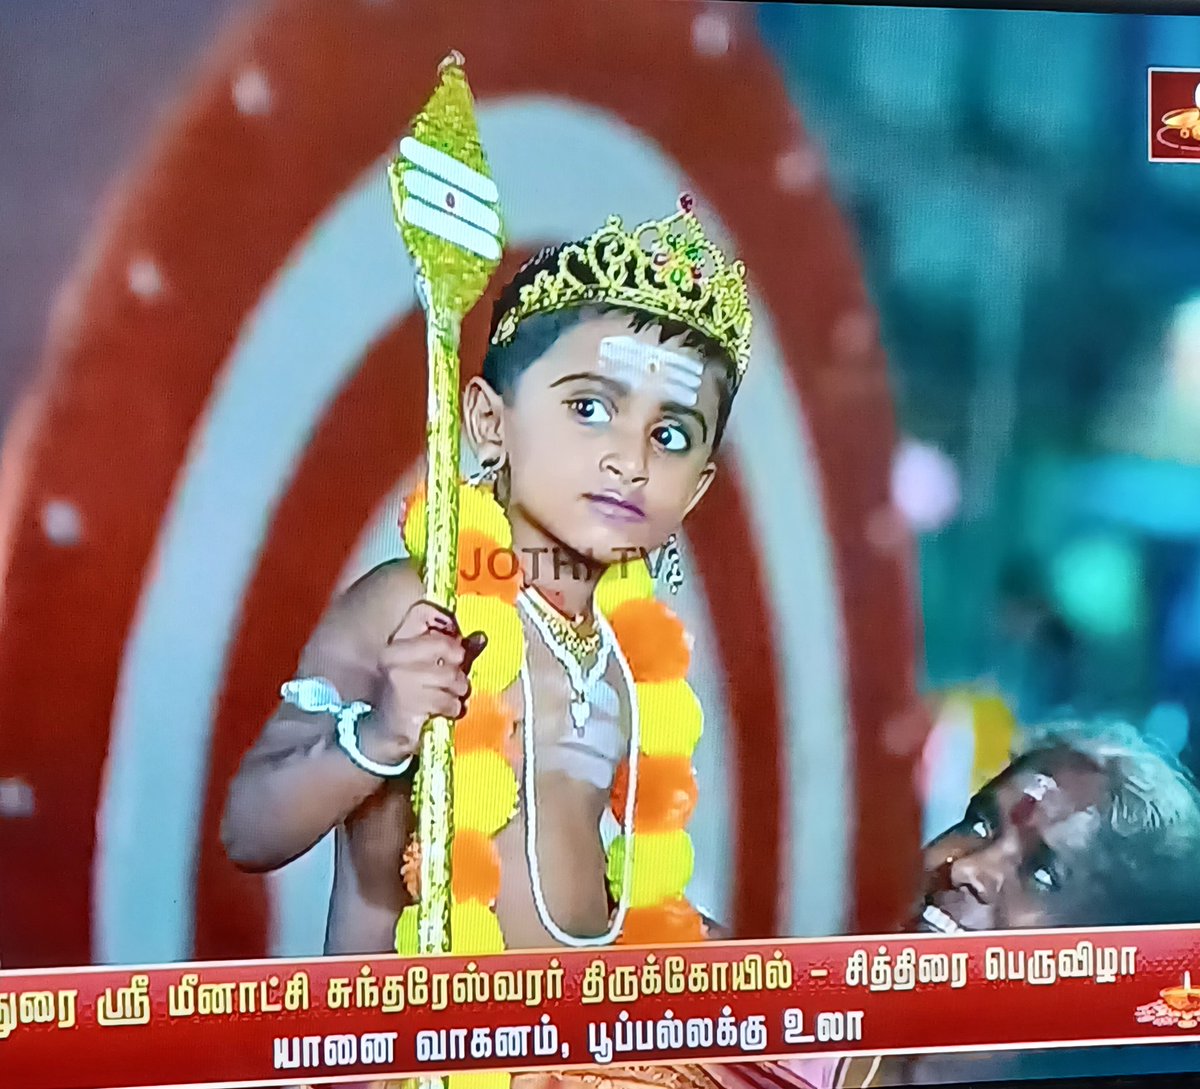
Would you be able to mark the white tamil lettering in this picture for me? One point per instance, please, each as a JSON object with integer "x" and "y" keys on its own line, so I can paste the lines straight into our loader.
{"x": 838, "y": 1026}
{"x": 341, "y": 1050}
{"x": 337, "y": 1050}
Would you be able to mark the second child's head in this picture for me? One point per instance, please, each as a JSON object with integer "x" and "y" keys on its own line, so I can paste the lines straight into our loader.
{"x": 605, "y": 421}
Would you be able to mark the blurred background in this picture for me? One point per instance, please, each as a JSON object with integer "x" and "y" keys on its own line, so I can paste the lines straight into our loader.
{"x": 1036, "y": 276}
{"x": 1037, "y": 280}
{"x": 1034, "y": 540}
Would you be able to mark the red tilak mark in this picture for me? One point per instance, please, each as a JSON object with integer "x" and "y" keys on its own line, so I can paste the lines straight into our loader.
{"x": 1022, "y": 812}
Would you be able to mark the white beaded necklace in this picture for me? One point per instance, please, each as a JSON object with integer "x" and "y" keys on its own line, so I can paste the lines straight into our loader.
{"x": 581, "y": 683}
{"x": 608, "y": 640}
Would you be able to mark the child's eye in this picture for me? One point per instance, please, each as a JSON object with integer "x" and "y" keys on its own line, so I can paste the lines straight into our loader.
{"x": 590, "y": 410}
{"x": 672, "y": 437}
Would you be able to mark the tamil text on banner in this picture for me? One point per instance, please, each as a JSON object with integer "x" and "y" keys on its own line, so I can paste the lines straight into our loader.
{"x": 342, "y": 1019}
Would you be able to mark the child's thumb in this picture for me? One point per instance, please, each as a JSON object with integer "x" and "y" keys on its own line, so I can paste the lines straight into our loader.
{"x": 473, "y": 647}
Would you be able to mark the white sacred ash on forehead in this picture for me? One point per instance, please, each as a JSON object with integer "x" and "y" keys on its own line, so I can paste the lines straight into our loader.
{"x": 1073, "y": 830}
{"x": 637, "y": 363}
{"x": 1040, "y": 787}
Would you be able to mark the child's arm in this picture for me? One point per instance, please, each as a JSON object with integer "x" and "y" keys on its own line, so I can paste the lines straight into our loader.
{"x": 296, "y": 783}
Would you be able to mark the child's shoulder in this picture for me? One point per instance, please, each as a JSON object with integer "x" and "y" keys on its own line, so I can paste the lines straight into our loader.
{"x": 388, "y": 579}
{"x": 375, "y": 603}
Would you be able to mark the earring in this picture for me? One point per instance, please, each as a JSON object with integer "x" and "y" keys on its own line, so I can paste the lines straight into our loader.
{"x": 674, "y": 564}
{"x": 489, "y": 470}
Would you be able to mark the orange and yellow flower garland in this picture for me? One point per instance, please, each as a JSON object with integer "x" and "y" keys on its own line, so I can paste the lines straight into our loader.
{"x": 656, "y": 647}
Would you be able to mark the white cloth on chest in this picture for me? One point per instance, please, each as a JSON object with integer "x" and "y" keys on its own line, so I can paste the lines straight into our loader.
{"x": 592, "y": 754}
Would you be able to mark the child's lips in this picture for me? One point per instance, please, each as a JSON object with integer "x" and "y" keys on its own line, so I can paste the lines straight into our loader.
{"x": 615, "y": 509}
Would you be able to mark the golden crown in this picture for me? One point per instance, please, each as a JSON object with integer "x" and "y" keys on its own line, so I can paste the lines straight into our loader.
{"x": 667, "y": 267}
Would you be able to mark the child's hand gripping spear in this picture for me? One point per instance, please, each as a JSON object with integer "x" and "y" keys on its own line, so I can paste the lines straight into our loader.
{"x": 446, "y": 210}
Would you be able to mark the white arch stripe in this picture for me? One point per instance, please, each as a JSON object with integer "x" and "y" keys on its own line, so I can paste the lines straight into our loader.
{"x": 342, "y": 288}
{"x": 346, "y": 284}
{"x": 770, "y": 436}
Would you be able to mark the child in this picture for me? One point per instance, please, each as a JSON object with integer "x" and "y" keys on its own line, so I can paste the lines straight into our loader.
{"x": 602, "y": 403}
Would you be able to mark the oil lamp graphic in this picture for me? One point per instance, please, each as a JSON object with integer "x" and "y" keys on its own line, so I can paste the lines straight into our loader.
{"x": 1181, "y": 128}
{"x": 1178, "y": 1006}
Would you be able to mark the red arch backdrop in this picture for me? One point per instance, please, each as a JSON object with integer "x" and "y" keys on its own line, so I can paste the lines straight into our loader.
{"x": 220, "y": 202}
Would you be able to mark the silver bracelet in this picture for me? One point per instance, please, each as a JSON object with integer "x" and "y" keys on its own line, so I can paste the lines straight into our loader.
{"x": 316, "y": 695}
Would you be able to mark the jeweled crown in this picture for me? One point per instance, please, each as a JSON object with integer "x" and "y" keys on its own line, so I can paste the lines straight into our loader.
{"x": 667, "y": 267}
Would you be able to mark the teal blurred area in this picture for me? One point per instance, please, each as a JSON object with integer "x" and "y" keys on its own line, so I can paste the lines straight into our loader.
{"x": 1033, "y": 271}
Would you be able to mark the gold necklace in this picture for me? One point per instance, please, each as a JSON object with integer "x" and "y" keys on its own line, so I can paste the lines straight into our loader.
{"x": 581, "y": 647}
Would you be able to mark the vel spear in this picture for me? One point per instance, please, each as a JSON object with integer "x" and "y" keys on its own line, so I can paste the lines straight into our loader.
{"x": 447, "y": 211}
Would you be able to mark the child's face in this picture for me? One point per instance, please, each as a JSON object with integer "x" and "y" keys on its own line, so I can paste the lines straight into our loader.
{"x": 609, "y": 437}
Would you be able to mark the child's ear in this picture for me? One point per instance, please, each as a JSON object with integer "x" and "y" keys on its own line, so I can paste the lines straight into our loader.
{"x": 483, "y": 420}
{"x": 707, "y": 474}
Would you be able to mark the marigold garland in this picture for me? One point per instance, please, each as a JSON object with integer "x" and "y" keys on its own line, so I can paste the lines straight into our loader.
{"x": 486, "y": 1080}
{"x": 500, "y": 663}
{"x": 486, "y": 569}
{"x": 626, "y": 580}
{"x": 485, "y": 795}
{"x": 666, "y": 794}
{"x": 474, "y": 867}
{"x": 475, "y": 930}
{"x": 658, "y": 651}
{"x": 410, "y": 868}
{"x": 671, "y": 716}
{"x": 653, "y": 640}
{"x": 665, "y": 861}
{"x": 477, "y": 510}
{"x": 486, "y": 725}
{"x": 673, "y": 922}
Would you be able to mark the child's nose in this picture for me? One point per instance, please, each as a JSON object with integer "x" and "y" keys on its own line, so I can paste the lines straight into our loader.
{"x": 627, "y": 460}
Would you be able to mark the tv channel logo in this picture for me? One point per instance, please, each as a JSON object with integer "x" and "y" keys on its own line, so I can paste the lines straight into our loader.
{"x": 1174, "y": 122}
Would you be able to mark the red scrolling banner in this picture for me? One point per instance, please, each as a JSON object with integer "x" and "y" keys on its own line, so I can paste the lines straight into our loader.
{"x": 332, "y": 1019}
